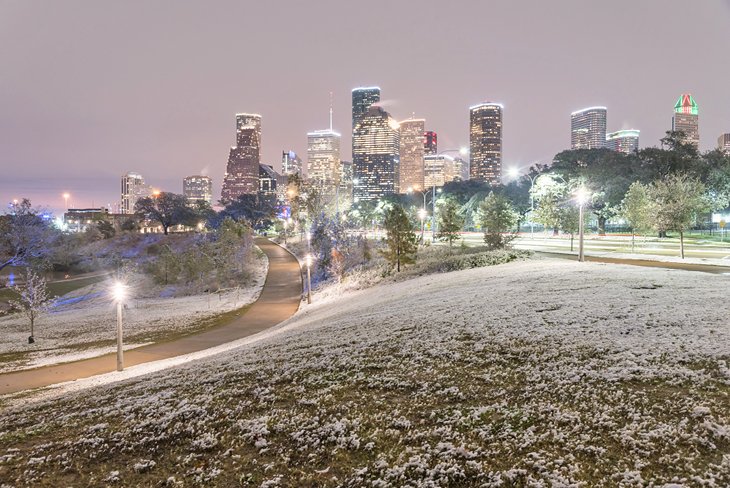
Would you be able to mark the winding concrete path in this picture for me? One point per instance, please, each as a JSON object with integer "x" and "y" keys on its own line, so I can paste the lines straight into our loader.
{"x": 279, "y": 300}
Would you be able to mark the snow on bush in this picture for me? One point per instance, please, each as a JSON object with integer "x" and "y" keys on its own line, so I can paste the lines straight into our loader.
{"x": 533, "y": 373}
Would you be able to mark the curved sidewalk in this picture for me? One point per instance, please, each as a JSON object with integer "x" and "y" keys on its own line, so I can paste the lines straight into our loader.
{"x": 279, "y": 300}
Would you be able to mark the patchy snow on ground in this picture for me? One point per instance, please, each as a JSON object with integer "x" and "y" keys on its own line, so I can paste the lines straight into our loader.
{"x": 535, "y": 373}
{"x": 80, "y": 322}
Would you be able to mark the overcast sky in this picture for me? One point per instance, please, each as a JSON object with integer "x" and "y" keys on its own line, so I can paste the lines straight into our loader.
{"x": 92, "y": 89}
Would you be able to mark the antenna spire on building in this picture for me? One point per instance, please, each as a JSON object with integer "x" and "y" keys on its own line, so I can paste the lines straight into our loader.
{"x": 330, "y": 111}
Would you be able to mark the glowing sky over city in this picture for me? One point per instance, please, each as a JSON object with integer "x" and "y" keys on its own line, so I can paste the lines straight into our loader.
{"x": 92, "y": 89}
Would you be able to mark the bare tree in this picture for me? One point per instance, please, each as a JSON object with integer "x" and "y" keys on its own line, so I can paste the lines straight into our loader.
{"x": 167, "y": 208}
{"x": 34, "y": 299}
{"x": 25, "y": 236}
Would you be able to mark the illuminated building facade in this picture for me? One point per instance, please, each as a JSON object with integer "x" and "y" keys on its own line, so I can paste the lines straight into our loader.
{"x": 430, "y": 142}
{"x": 411, "y": 154}
{"x": 323, "y": 160}
{"x": 375, "y": 155}
{"x": 133, "y": 188}
{"x": 198, "y": 188}
{"x": 291, "y": 164}
{"x": 242, "y": 171}
{"x": 588, "y": 128}
{"x": 687, "y": 119}
{"x": 362, "y": 99}
{"x": 268, "y": 180}
{"x": 439, "y": 170}
{"x": 485, "y": 142}
{"x": 625, "y": 141}
{"x": 723, "y": 143}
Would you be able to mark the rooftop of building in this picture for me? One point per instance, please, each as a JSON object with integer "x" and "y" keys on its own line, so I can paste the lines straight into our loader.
{"x": 597, "y": 107}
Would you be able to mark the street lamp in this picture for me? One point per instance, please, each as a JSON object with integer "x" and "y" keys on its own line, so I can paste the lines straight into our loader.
{"x": 309, "y": 279}
{"x": 581, "y": 197}
{"x": 286, "y": 223}
{"x": 119, "y": 292}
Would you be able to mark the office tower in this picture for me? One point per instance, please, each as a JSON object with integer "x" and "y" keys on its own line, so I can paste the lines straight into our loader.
{"x": 411, "y": 155}
{"x": 375, "y": 155}
{"x": 485, "y": 142}
{"x": 461, "y": 169}
{"x": 323, "y": 160}
{"x": 440, "y": 169}
{"x": 430, "y": 142}
{"x": 588, "y": 128}
{"x": 291, "y": 164}
{"x": 362, "y": 99}
{"x": 268, "y": 180}
{"x": 133, "y": 188}
{"x": 723, "y": 143}
{"x": 198, "y": 188}
{"x": 625, "y": 141}
{"x": 242, "y": 172}
{"x": 686, "y": 119}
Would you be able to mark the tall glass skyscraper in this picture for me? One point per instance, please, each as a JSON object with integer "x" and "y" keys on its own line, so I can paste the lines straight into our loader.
{"x": 723, "y": 143}
{"x": 198, "y": 188}
{"x": 375, "y": 155}
{"x": 430, "y": 142}
{"x": 362, "y": 98}
{"x": 687, "y": 119}
{"x": 133, "y": 188}
{"x": 290, "y": 163}
{"x": 625, "y": 141}
{"x": 323, "y": 160}
{"x": 485, "y": 142}
{"x": 411, "y": 154}
{"x": 588, "y": 128}
{"x": 242, "y": 171}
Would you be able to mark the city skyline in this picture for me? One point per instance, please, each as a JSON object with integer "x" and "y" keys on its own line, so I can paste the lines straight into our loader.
{"x": 163, "y": 106}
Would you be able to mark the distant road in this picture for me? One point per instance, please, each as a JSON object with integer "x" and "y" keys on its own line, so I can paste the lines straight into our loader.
{"x": 705, "y": 268}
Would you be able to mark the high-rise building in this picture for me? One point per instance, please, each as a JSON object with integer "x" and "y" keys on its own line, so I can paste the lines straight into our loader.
{"x": 268, "y": 180}
{"x": 723, "y": 143}
{"x": 625, "y": 141}
{"x": 198, "y": 188}
{"x": 686, "y": 119}
{"x": 440, "y": 169}
{"x": 588, "y": 128}
{"x": 375, "y": 155}
{"x": 291, "y": 164}
{"x": 411, "y": 154}
{"x": 242, "y": 171}
{"x": 323, "y": 160}
{"x": 485, "y": 142}
{"x": 430, "y": 142}
{"x": 362, "y": 99}
{"x": 461, "y": 168}
{"x": 133, "y": 188}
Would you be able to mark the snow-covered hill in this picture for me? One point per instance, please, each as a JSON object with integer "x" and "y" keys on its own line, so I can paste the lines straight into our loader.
{"x": 535, "y": 373}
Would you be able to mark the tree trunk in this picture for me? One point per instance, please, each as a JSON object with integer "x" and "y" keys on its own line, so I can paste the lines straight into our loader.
{"x": 32, "y": 323}
{"x": 681, "y": 244}
{"x": 164, "y": 229}
{"x": 555, "y": 231}
{"x": 632, "y": 241}
{"x": 601, "y": 226}
{"x": 571, "y": 242}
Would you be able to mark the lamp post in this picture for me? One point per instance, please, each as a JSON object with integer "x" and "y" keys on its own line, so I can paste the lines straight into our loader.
{"x": 515, "y": 173}
{"x": 119, "y": 293}
{"x": 581, "y": 197}
{"x": 286, "y": 223}
{"x": 422, "y": 215}
{"x": 309, "y": 279}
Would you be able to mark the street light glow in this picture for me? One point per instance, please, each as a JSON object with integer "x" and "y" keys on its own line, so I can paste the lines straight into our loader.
{"x": 422, "y": 213}
{"x": 513, "y": 172}
{"x": 309, "y": 260}
{"x": 119, "y": 291}
{"x": 581, "y": 196}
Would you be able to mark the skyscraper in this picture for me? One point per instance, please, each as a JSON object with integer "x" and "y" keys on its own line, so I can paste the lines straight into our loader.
{"x": 625, "y": 141}
{"x": 242, "y": 171}
{"x": 440, "y": 169}
{"x": 375, "y": 155}
{"x": 133, "y": 188}
{"x": 430, "y": 142}
{"x": 686, "y": 119}
{"x": 588, "y": 128}
{"x": 323, "y": 160}
{"x": 723, "y": 143}
{"x": 411, "y": 154}
{"x": 198, "y": 188}
{"x": 290, "y": 163}
{"x": 485, "y": 142}
{"x": 362, "y": 99}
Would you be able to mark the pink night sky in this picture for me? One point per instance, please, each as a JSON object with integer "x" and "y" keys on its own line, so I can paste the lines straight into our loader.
{"x": 92, "y": 89}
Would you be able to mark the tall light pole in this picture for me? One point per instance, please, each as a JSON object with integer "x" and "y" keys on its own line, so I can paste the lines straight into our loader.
{"x": 286, "y": 223}
{"x": 515, "y": 173}
{"x": 581, "y": 197}
{"x": 119, "y": 293}
{"x": 422, "y": 215}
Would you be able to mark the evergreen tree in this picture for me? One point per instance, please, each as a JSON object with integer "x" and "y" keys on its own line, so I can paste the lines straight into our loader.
{"x": 402, "y": 242}
{"x": 636, "y": 209}
{"x": 450, "y": 223}
{"x": 497, "y": 219}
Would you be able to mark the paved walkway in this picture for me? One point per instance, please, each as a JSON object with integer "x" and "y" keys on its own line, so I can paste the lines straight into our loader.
{"x": 278, "y": 301}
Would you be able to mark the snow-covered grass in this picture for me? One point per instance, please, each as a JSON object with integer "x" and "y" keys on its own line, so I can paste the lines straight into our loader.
{"x": 533, "y": 373}
{"x": 83, "y": 323}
